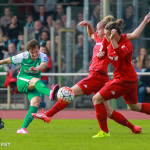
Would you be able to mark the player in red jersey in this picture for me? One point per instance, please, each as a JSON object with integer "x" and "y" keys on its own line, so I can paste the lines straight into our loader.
{"x": 125, "y": 78}
{"x": 97, "y": 74}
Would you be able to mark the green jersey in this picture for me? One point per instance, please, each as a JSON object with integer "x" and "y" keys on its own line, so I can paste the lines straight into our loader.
{"x": 25, "y": 60}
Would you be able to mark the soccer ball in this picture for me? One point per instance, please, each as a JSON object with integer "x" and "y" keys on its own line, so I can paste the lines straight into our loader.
{"x": 65, "y": 95}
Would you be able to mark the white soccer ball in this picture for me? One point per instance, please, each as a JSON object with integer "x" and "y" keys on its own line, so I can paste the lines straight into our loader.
{"x": 65, "y": 95}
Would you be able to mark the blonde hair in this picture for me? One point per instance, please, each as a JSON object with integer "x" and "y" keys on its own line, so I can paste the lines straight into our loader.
{"x": 107, "y": 20}
{"x": 32, "y": 44}
{"x": 118, "y": 25}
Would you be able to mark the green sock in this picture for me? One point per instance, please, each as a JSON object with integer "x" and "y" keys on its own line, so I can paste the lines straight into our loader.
{"x": 28, "y": 118}
{"x": 42, "y": 88}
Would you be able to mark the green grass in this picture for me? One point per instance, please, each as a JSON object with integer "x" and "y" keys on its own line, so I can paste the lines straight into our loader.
{"x": 74, "y": 135}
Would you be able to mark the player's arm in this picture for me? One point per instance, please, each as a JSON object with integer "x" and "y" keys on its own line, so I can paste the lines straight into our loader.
{"x": 89, "y": 28}
{"x": 136, "y": 33}
{"x": 41, "y": 67}
{"x": 112, "y": 39}
{"x": 5, "y": 61}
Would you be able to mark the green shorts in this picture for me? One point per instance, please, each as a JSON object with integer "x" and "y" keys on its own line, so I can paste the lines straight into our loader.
{"x": 22, "y": 85}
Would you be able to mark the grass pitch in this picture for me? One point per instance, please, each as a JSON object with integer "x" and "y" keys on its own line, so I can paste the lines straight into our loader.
{"x": 73, "y": 135}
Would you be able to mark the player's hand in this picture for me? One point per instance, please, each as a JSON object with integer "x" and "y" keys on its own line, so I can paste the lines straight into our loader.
{"x": 147, "y": 18}
{"x": 84, "y": 23}
{"x": 113, "y": 34}
{"x": 100, "y": 54}
{"x": 33, "y": 69}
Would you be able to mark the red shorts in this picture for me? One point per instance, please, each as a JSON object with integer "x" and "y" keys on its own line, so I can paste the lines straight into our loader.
{"x": 92, "y": 83}
{"x": 116, "y": 88}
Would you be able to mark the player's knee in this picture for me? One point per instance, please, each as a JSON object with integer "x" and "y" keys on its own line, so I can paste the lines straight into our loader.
{"x": 33, "y": 81}
{"x": 96, "y": 99}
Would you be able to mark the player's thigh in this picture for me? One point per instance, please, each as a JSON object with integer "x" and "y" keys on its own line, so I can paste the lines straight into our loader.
{"x": 32, "y": 82}
{"x": 91, "y": 85}
{"x": 77, "y": 90}
{"x": 131, "y": 96}
{"x": 23, "y": 83}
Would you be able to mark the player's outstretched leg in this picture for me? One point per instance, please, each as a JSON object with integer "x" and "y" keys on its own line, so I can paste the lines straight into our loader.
{"x": 1, "y": 124}
{"x": 42, "y": 88}
{"x": 46, "y": 117}
{"x": 28, "y": 119}
{"x": 41, "y": 116}
{"x": 119, "y": 118}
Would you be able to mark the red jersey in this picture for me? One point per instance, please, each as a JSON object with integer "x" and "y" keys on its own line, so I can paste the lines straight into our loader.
{"x": 97, "y": 64}
{"x": 121, "y": 60}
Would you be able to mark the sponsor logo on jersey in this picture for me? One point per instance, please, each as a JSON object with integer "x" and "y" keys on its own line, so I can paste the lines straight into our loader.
{"x": 113, "y": 92}
{"x": 46, "y": 59}
{"x": 85, "y": 85}
{"x": 123, "y": 46}
{"x": 30, "y": 71}
{"x": 115, "y": 58}
{"x": 98, "y": 43}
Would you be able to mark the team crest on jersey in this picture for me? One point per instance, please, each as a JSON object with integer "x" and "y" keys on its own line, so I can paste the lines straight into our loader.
{"x": 46, "y": 59}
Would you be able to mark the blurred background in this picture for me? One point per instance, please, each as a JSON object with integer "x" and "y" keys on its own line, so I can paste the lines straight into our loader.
{"x": 54, "y": 23}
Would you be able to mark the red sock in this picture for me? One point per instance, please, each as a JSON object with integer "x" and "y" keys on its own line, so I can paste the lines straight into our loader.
{"x": 56, "y": 108}
{"x": 119, "y": 118}
{"x": 101, "y": 115}
{"x": 145, "y": 108}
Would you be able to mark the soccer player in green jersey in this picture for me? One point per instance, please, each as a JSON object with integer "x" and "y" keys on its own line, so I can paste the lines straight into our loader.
{"x": 28, "y": 80}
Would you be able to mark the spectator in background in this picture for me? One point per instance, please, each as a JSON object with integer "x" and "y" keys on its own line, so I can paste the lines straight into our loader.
{"x": 44, "y": 37}
{"x": 80, "y": 18}
{"x": 144, "y": 87}
{"x": 11, "y": 69}
{"x": 79, "y": 53}
{"x": 6, "y": 19}
{"x": 59, "y": 12}
{"x": 37, "y": 29}
{"x": 49, "y": 23}
{"x": 20, "y": 44}
{"x": 41, "y": 15}
{"x": 57, "y": 26}
{"x": 56, "y": 52}
{"x": 11, "y": 52}
{"x": 50, "y": 5}
{"x": 44, "y": 79}
{"x": 29, "y": 21}
{"x": 48, "y": 47}
{"x": 95, "y": 17}
{"x": 13, "y": 29}
{"x": 142, "y": 59}
{"x": 134, "y": 63}
{"x": 4, "y": 45}
{"x": 63, "y": 20}
{"x": 128, "y": 18}
{"x": 77, "y": 32}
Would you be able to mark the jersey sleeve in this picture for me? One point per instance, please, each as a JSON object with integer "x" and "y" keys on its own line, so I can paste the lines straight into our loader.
{"x": 17, "y": 59}
{"x": 43, "y": 57}
{"x": 124, "y": 49}
{"x": 96, "y": 38}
